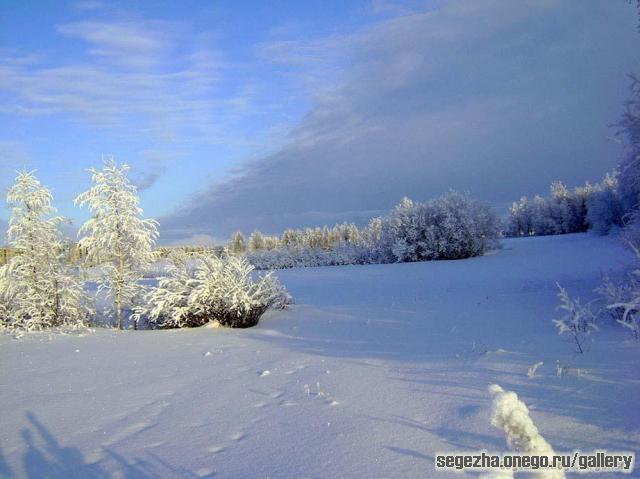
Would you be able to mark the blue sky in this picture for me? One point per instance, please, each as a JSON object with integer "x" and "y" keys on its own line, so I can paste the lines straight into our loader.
{"x": 245, "y": 115}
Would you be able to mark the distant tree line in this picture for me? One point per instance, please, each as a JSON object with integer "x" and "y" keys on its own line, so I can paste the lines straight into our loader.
{"x": 611, "y": 204}
{"x": 452, "y": 226}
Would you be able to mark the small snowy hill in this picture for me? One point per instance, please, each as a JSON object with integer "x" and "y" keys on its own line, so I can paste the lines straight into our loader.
{"x": 372, "y": 372}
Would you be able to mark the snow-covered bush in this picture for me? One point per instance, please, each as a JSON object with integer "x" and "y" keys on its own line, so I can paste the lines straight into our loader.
{"x": 452, "y": 226}
{"x": 512, "y": 416}
{"x": 38, "y": 288}
{"x": 117, "y": 237}
{"x": 623, "y": 299}
{"x": 202, "y": 287}
{"x": 578, "y": 320}
{"x": 615, "y": 292}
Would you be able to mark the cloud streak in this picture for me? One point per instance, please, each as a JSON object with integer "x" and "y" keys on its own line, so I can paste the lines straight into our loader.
{"x": 497, "y": 98}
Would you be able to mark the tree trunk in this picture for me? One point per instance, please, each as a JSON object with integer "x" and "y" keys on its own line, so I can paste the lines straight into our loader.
{"x": 119, "y": 285}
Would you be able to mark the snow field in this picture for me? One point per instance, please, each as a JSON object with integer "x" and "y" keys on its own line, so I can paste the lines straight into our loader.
{"x": 372, "y": 372}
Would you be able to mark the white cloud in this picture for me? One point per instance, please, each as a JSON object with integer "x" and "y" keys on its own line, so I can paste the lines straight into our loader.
{"x": 135, "y": 44}
{"x": 147, "y": 79}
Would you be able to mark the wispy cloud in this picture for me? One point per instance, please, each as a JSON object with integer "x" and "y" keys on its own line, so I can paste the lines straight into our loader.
{"x": 150, "y": 79}
{"x": 133, "y": 44}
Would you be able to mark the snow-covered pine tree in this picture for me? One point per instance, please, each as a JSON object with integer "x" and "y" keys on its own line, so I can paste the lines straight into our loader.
{"x": 117, "y": 238}
{"x": 38, "y": 287}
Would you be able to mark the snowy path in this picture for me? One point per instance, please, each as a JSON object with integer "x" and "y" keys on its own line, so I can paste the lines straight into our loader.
{"x": 375, "y": 370}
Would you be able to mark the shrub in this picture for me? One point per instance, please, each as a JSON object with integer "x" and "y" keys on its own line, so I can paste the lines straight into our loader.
{"x": 200, "y": 288}
{"x": 578, "y": 321}
{"x": 452, "y": 226}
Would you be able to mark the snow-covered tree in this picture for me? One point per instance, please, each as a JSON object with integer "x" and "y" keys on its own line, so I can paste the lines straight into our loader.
{"x": 238, "y": 244}
{"x": 271, "y": 242}
{"x": 6, "y": 297}
{"x": 201, "y": 287}
{"x": 578, "y": 320}
{"x": 38, "y": 287}
{"x": 117, "y": 238}
{"x": 629, "y": 130}
{"x": 520, "y": 218}
{"x": 604, "y": 205}
{"x": 256, "y": 241}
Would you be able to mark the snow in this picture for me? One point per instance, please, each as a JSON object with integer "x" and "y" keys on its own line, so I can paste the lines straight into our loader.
{"x": 372, "y": 372}
{"x": 512, "y": 416}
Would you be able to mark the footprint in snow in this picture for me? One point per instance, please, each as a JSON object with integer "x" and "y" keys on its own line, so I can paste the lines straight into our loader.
{"x": 238, "y": 436}
{"x": 215, "y": 449}
{"x": 205, "y": 472}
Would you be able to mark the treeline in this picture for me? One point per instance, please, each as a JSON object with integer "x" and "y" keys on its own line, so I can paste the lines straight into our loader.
{"x": 597, "y": 207}
{"x": 613, "y": 203}
{"x": 306, "y": 238}
{"x": 452, "y": 226}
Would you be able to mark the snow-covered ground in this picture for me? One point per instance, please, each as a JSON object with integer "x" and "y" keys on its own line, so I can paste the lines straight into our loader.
{"x": 373, "y": 371}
